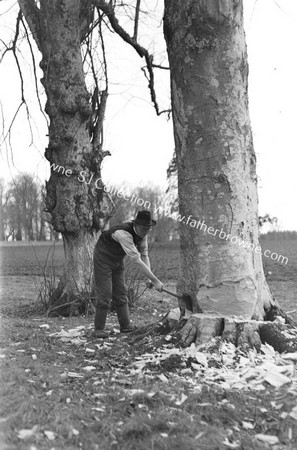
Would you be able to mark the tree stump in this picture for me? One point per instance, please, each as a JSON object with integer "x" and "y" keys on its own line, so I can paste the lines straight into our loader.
{"x": 201, "y": 328}
{"x": 244, "y": 334}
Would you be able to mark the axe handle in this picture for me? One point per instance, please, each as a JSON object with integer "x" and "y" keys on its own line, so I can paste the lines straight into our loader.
{"x": 171, "y": 293}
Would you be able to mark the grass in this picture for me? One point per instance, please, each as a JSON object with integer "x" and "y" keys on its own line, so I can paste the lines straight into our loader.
{"x": 111, "y": 407}
{"x": 114, "y": 406}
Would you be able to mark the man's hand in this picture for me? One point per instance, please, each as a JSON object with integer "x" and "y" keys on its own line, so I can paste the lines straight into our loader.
{"x": 149, "y": 284}
{"x": 159, "y": 286}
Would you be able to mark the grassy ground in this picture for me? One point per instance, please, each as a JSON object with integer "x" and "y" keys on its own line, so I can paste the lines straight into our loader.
{"x": 74, "y": 392}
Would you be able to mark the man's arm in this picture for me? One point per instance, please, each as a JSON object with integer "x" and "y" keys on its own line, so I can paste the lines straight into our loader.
{"x": 143, "y": 250}
{"x": 146, "y": 271}
{"x": 125, "y": 240}
{"x": 146, "y": 260}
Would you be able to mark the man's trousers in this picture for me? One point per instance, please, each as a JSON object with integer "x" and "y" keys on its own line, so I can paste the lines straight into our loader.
{"x": 109, "y": 278}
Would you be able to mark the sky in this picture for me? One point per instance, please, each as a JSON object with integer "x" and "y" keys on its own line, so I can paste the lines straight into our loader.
{"x": 142, "y": 144}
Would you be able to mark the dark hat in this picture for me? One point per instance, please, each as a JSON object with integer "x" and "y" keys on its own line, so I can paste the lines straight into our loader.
{"x": 144, "y": 218}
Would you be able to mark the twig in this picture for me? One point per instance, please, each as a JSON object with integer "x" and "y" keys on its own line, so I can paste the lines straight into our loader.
{"x": 50, "y": 310}
{"x": 136, "y": 21}
{"x": 103, "y": 50}
{"x": 158, "y": 66}
{"x": 13, "y": 48}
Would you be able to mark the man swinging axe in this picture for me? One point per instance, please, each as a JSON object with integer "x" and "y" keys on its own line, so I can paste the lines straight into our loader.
{"x": 128, "y": 239}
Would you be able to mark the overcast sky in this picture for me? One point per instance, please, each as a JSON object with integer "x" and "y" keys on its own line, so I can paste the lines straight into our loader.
{"x": 142, "y": 143}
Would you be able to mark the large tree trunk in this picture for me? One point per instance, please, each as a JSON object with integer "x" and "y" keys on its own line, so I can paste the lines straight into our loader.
{"x": 217, "y": 180}
{"x": 77, "y": 207}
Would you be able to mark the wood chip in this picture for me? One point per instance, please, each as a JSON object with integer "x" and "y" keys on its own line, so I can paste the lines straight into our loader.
{"x": 50, "y": 435}
{"x": 89, "y": 368}
{"x": 27, "y": 433}
{"x": 276, "y": 379}
{"x": 270, "y": 439}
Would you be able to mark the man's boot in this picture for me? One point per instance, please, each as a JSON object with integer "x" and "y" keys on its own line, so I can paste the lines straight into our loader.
{"x": 124, "y": 319}
{"x": 100, "y": 319}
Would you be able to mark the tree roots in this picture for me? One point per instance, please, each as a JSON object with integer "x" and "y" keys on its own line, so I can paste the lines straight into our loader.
{"x": 281, "y": 333}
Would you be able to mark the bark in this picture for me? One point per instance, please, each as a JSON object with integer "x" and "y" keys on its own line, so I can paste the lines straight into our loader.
{"x": 217, "y": 181}
{"x": 74, "y": 192}
{"x": 74, "y": 293}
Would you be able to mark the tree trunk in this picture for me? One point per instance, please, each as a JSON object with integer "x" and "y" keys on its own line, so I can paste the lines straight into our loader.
{"x": 77, "y": 206}
{"x": 41, "y": 231}
{"x": 217, "y": 180}
{"x": 18, "y": 235}
{"x": 74, "y": 292}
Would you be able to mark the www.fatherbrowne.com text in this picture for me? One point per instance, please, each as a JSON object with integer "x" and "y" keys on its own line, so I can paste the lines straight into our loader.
{"x": 121, "y": 192}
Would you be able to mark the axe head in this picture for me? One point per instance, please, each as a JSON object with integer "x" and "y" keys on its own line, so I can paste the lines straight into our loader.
{"x": 186, "y": 304}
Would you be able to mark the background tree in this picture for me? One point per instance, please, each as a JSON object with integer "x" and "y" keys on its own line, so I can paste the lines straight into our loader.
{"x": 67, "y": 34}
{"x": 267, "y": 219}
{"x": 42, "y": 216}
{"x": 172, "y": 190}
{"x": 2, "y": 209}
{"x": 25, "y": 191}
{"x": 14, "y": 211}
{"x": 21, "y": 208}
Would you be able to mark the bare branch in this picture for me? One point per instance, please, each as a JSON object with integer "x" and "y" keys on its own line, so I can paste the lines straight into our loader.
{"x": 136, "y": 21}
{"x": 158, "y": 66}
{"x": 11, "y": 123}
{"x": 108, "y": 10}
{"x": 103, "y": 50}
{"x": 32, "y": 16}
{"x": 13, "y": 49}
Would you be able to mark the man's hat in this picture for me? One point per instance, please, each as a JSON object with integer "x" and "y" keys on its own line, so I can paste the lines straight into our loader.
{"x": 144, "y": 218}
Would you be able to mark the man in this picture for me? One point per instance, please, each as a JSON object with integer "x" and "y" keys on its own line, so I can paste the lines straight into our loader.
{"x": 128, "y": 239}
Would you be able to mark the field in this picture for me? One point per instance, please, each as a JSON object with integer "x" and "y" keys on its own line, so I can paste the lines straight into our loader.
{"x": 61, "y": 389}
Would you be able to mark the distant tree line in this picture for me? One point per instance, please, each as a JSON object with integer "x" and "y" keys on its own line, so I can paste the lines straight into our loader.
{"x": 22, "y": 215}
{"x": 157, "y": 201}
